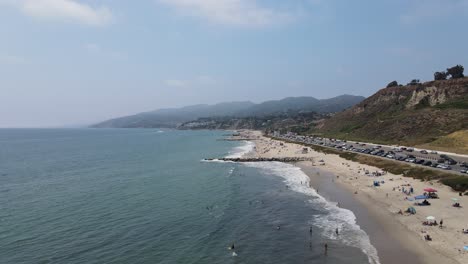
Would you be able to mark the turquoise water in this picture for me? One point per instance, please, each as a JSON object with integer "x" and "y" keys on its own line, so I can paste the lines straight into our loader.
{"x": 145, "y": 196}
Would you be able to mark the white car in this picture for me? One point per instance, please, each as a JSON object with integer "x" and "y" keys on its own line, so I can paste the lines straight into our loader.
{"x": 444, "y": 167}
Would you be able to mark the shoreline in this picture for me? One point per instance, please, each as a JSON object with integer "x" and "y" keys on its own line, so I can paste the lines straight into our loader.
{"x": 384, "y": 236}
{"x": 397, "y": 238}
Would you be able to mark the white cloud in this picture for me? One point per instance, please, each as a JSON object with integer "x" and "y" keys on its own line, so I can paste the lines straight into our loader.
{"x": 175, "y": 83}
{"x": 231, "y": 12}
{"x": 63, "y": 10}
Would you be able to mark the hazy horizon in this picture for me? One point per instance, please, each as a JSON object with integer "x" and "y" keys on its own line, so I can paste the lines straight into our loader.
{"x": 78, "y": 62}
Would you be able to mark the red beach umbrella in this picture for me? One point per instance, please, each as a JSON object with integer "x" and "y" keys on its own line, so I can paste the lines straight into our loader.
{"x": 430, "y": 190}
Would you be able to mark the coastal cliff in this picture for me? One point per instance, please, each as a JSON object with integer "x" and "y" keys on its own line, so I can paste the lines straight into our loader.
{"x": 411, "y": 114}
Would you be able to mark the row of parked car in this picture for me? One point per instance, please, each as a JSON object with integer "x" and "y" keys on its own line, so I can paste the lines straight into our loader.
{"x": 443, "y": 162}
{"x": 406, "y": 158}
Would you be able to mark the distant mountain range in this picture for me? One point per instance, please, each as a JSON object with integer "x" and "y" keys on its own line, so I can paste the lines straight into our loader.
{"x": 174, "y": 116}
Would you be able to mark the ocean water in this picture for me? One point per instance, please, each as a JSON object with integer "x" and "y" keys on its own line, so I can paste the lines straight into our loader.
{"x": 146, "y": 196}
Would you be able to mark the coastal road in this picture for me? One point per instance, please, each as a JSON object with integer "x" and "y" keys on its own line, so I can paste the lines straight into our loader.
{"x": 420, "y": 157}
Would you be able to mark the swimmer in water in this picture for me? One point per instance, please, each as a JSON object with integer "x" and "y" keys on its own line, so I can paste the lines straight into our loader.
{"x": 310, "y": 230}
{"x": 336, "y": 231}
{"x": 326, "y": 248}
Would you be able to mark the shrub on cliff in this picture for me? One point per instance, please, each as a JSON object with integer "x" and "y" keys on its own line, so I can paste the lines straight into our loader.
{"x": 440, "y": 76}
{"x": 456, "y": 72}
{"x": 414, "y": 82}
{"x": 392, "y": 84}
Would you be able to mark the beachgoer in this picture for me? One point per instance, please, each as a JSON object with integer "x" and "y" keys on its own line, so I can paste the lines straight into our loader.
{"x": 232, "y": 246}
{"x": 441, "y": 222}
{"x": 326, "y": 248}
{"x": 310, "y": 230}
{"x": 278, "y": 227}
{"x": 336, "y": 231}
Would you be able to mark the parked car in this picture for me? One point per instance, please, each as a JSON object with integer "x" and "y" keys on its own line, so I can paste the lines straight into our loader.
{"x": 427, "y": 163}
{"x": 423, "y": 152}
{"x": 444, "y": 167}
{"x": 420, "y": 161}
{"x": 433, "y": 152}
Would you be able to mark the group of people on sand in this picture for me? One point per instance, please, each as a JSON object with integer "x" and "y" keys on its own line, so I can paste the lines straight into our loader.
{"x": 429, "y": 223}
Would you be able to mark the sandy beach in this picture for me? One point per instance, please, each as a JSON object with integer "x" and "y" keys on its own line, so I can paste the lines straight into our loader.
{"x": 397, "y": 237}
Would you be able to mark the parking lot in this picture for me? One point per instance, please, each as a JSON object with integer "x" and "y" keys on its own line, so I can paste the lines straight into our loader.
{"x": 426, "y": 158}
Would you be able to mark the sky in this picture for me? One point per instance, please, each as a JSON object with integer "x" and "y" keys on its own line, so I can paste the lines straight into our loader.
{"x": 78, "y": 62}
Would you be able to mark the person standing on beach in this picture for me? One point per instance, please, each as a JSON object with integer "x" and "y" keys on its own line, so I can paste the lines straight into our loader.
{"x": 336, "y": 231}
{"x": 326, "y": 248}
{"x": 310, "y": 231}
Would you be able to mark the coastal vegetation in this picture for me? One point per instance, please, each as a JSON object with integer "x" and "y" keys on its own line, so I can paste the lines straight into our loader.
{"x": 456, "y": 72}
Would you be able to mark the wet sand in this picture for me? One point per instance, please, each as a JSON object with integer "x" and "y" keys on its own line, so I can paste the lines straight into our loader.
{"x": 381, "y": 233}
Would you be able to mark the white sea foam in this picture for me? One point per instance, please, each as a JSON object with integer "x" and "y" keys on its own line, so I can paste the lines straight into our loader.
{"x": 241, "y": 150}
{"x": 350, "y": 232}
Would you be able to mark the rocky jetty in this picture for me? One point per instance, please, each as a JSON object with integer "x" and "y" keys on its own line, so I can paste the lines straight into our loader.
{"x": 286, "y": 159}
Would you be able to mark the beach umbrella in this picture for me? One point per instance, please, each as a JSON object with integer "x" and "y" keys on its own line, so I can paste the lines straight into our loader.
{"x": 465, "y": 248}
{"x": 430, "y": 218}
{"x": 430, "y": 190}
{"x": 454, "y": 199}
